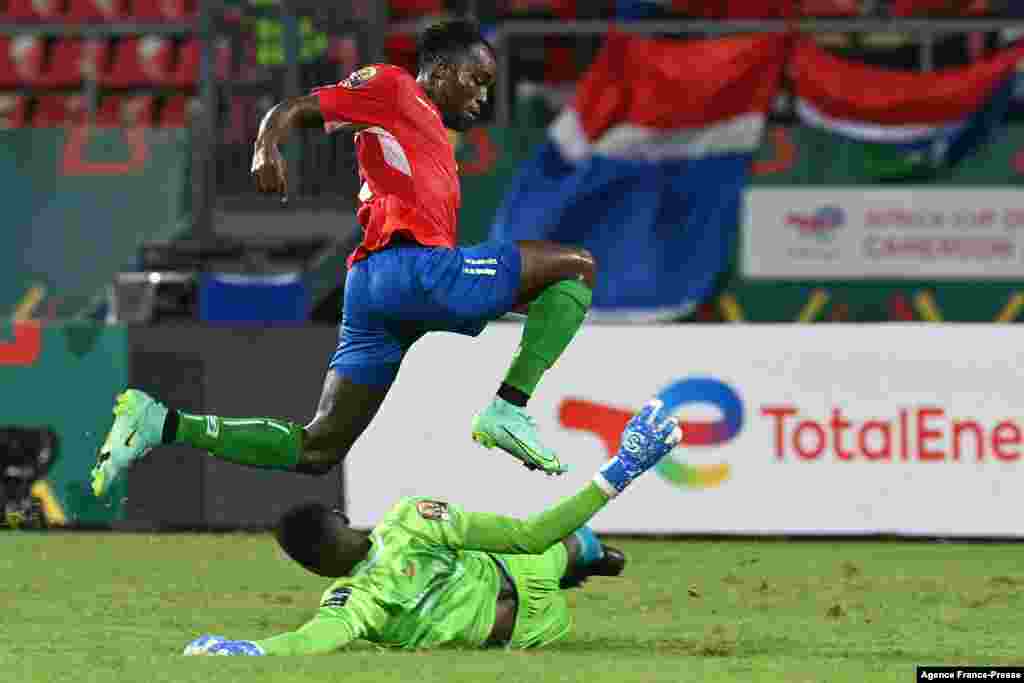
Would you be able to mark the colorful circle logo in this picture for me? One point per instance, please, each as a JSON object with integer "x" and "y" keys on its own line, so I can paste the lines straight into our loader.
{"x": 700, "y": 390}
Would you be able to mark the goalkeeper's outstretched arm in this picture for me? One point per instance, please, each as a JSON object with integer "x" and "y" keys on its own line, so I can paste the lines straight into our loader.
{"x": 321, "y": 635}
{"x": 647, "y": 438}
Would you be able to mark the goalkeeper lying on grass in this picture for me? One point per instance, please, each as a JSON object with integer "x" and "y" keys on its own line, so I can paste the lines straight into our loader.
{"x": 432, "y": 574}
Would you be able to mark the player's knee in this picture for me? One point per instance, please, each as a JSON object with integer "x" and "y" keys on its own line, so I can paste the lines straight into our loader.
{"x": 322, "y": 449}
{"x": 316, "y": 468}
{"x": 586, "y": 266}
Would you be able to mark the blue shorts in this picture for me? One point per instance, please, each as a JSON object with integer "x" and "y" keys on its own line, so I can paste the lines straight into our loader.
{"x": 395, "y": 296}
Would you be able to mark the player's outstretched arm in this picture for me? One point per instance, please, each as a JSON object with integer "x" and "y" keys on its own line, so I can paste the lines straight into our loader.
{"x": 344, "y": 615}
{"x": 647, "y": 438}
{"x": 268, "y": 166}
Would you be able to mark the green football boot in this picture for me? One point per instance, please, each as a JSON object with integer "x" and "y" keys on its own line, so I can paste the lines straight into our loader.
{"x": 512, "y": 430}
{"x": 138, "y": 427}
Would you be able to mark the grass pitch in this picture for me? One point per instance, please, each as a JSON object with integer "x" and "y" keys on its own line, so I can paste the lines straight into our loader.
{"x": 120, "y": 607}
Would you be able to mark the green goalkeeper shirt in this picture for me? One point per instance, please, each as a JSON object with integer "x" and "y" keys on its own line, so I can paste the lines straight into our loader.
{"x": 428, "y": 579}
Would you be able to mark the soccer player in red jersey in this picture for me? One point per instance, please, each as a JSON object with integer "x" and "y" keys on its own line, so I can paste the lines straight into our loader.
{"x": 407, "y": 277}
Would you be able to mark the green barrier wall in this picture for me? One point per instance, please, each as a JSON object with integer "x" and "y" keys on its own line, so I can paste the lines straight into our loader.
{"x": 78, "y": 204}
{"x": 64, "y": 377}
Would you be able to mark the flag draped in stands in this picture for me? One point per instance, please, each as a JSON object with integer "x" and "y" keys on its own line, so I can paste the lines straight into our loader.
{"x": 647, "y": 167}
{"x": 908, "y": 125}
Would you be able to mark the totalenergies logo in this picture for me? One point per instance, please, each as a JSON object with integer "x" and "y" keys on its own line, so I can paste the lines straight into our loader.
{"x": 821, "y": 225}
{"x": 607, "y": 423}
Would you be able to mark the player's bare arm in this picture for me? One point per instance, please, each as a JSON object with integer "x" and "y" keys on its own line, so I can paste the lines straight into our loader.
{"x": 268, "y": 165}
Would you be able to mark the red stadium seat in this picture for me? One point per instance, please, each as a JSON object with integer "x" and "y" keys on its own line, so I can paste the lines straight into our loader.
{"x": 34, "y": 10}
{"x": 175, "y": 113}
{"x": 65, "y": 68}
{"x": 8, "y": 71}
{"x": 411, "y": 9}
{"x": 830, "y": 8}
{"x": 13, "y": 111}
{"x": 139, "y": 111}
{"x": 163, "y": 10}
{"x": 108, "y": 114}
{"x": 54, "y": 111}
{"x": 21, "y": 60}
{"x": 911, "y": 8}
{"x": 97, "y": 10}
{"x": 186, "y": 73}
{"x": 139, "y": 62}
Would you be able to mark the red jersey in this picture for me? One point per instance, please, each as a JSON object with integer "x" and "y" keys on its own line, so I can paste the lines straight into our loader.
{"x": 410, "y": 181}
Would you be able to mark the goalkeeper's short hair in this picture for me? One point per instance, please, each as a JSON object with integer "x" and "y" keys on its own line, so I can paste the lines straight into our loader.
{"x": 319, "y": 538}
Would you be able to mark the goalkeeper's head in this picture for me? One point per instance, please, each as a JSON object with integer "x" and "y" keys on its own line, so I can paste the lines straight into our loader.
{"x": 320, "y": 539}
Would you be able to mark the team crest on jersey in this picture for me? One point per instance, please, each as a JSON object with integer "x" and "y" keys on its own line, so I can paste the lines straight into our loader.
{"x": 337, "y": 598}
{"x": 433, "y": 509}
{"x": 359, "y": 78}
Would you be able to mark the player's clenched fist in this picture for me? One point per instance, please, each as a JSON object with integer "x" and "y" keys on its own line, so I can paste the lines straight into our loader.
{"x": 269, "y": 169}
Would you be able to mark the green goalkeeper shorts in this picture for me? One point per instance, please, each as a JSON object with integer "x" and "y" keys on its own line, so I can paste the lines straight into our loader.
{"x": 543, "y": 614}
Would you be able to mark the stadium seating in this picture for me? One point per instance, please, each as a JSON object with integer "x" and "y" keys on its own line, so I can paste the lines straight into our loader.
{"x": 830, "y": 8}
{"x": 910, "y": 8}
{"x": 116, "y": 111}
{"x": 140, "y": 62}
{"x": 164, "y": 10}
{"x": 97, "y": 10}
{"x": 411, "y": 9}
{"x": 54, "y": 111}
{"x": 14, "y": 111}
{"x": 186, "y": 73}
{"x": 21, "y": 60}
{"x": 742, "y": 9}
{"x": 156, "y": 11}
{"x": 175, "y": 112}
{"x": 65, "y": 68}
{"x": 34, "y": 10}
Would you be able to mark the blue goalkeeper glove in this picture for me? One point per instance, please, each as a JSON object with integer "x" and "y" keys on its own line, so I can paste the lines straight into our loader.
{"x": 216, "y": 645}
{"x": 647, "y": 438}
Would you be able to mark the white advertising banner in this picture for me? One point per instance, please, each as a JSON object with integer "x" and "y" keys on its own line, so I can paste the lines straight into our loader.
{"x": 907, "y": 233}
{"x": 845, "y": 429}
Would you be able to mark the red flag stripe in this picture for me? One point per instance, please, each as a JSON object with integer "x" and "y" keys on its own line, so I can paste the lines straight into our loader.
{"x": 858, "y": 92}
{"x": 671, "y": 85}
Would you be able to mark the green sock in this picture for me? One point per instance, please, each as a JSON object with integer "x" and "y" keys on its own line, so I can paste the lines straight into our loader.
{"x": 257, "y": 442}
{"x": 551, "y": 323}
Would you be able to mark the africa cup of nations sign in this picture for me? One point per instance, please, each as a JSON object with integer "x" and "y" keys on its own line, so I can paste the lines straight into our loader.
{"x": 868, "y": 233}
